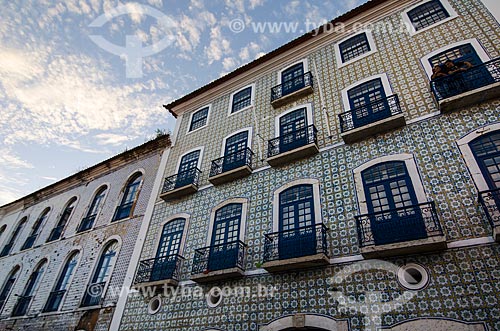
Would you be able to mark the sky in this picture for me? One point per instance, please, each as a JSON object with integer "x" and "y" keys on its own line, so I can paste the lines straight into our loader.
{"x": 83, "y": 80}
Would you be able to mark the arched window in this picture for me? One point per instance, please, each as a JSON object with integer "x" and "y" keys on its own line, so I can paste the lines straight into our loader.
{"x": 94, "y": 208}
{"x": 8, "y": 247}
{"x": 23, "y": 303}
{"x": 2, "y": 230}
{"x": 486, "y": 151}
{"x": 187, "y": 173}
{"x": 62, "y": 284}
{"x": 63, "y": 220}
{"x": 165, "y": 262}
{"x": 125, "y": 208}
{"x": 102, "y": 273}
{"x": 35, "y": 230}
{"x": 7, "y": 286}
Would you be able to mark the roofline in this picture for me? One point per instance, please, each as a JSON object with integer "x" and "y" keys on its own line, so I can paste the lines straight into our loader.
{"x": 302, "y": 39}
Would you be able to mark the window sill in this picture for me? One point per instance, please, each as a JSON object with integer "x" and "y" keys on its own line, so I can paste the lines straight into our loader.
{"x": 405, "y": 247}
{"x": 343, "y": 64}
{"x": 179, "y": 192}
{"x": 470, "y": 98}
{"x": 297, "y": 263}
{"x": 366, "y": 131}
{"x": 292, "y": 96}
{"x": 230, "y": 175}
{"x": 211, "y": 276}
{"x": 293, "y": 155}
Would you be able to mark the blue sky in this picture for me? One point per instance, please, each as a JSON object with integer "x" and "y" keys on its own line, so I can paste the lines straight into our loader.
{"x": 68, "y": 103}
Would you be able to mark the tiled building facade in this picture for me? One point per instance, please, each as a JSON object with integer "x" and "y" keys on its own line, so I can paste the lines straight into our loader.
{"x": 66, "y": 248}
{"x": 324, "y": 155}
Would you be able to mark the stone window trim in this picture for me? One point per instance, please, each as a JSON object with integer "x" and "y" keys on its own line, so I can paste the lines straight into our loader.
{"x": 411, "y": 167}
{"x": 243, "y": 220}
{"x": 468, "y": 155}
{"x": 305, "y": 64}
{"x": 309, "y": 114}
{"x": 252, "y": 100}
{"x": 316, "y": 194}
{"x": 185, "y": 232}
{"x": 188, "y": 131}
{"x": 385, "y": 83}
{"x": 371, "y": 43}
{"x": 249, "y": 138}
{"x": 200, "y": 158}
{"x": 411, "y": 28}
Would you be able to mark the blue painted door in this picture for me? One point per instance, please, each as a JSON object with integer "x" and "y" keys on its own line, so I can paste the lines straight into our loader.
{"x": 168, "y": 248}
{"x": 368, "y": 103}
{"x": 292, "y": 79}
{"x": 296, "y": 222}
{"x": 187, "y": 169}
{"x": 390, "y": 194}
{"x": 235, "y": 151}
{"x": 486, "y": 150}
{"x": 225, "y": 237}
{"x": 293, "y": 130}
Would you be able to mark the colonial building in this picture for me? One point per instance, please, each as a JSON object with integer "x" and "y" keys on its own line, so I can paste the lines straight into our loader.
{"x": 65, "y": 249}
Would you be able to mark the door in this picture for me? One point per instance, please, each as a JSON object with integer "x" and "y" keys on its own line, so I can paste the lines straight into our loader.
{"x": 187, "y": 169}
{"x": 368, "y": 103}
{"x": 296, "y": 222}
{"x": 235, "y": 151}
{"x": 225, "y": 238}
{"x": 390, "y": 195}
{"x": 166, "y": 255}
{"x": 293, "y": 130}
{"x": 292, "y": 79}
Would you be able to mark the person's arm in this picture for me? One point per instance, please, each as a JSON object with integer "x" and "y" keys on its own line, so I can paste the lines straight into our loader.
{"x": 468, "y": 64}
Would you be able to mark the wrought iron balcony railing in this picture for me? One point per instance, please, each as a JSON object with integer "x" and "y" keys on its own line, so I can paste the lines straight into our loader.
{"x": 87, "y": 223}
{"x": 299, "y": 242}
{"x": 399, "y": 225}
{"x": 56, "y": 233}
{"x": 292, "y": 140}
{"x": 21, "y": 307}
{"x": 188, "y": 177}
{"x": 6, "y": 249}
{"x": 54, "y": 301}
{"x": 473, "y": 78}
{"x": 93, "y": 295}
{"x": 370, "y": 113}
{"x": 219, "y": 257}
{"x": 490, "y": 200}
{"x": 295, "y": 84}
{"x": 231, "y": 161}
{"x": 159, "y": 268}
{"x": 30, "y": 241}
{"x": 123, "y": 211}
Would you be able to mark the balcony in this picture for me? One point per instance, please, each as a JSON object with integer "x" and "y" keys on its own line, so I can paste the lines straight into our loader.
{"x": 477, "y": 84}
{"x": 230, "y": 167}
{"x": 30, "y": 241}
{"x": 22, "y": 305}
{"x": 56, "y": 233}
{"x": 87, "y": 223}
{"x": 405, "y": 230}
{"x": 293, "y": 146}
{"x": 54, "y": 301}
{"x": 297, "y": 248}
{"x": 181, "y": 184}
{"x": 6, "y": 249}
{"x": 93, "y": 295}
{"x": 377, "y": 117}
{"x": 490, "y": 200}
{"x": 292, "y": 90}
{"x": 217, "y": 262}
{"x": 123, "y": 211}
{"x": 159, "y": 271}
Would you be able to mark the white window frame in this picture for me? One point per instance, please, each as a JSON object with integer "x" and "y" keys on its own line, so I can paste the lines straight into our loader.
{"x": 411, "y": 28}
{"x": 243, "y": 221}
{"x": 309, "y": 115}
{"x": 185, "y": 231}
{"x": 198, "y": 165}
{"x": 191, "y": 119}
{"x": 371, "y": 42}
{"x": 385, "y": 83}
{"x": 318, "y": 219}
{"x": 411, "y": 167}
{"x": 305, "y": 64}
{"x": 249, "y": 139}
{"x": 474, "y": 42}
{"x": 252, "y": 100}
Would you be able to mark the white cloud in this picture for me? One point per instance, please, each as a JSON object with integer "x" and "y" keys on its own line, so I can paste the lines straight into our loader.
{"x": 256, "y": 3}
{"x": 111, "y": 139}
{"x": 218, "y": 46}
{"x": 229, "y": 63}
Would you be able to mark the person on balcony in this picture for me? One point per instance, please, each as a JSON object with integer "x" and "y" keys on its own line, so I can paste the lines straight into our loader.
{"x": 458, "y": 66}
{"x": 437, "y": 72}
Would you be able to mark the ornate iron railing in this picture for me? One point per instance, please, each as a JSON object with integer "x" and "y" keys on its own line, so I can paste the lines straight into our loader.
{"x": 292, "y": 140}
{"x": 399, "y": 225}
{"x": 54, "y": 301}
{"x": 6, "y": 249}
{"x": 123, "y": 211}
{"x": 219, "y": 257}
{"x": 370, "y": 113}
{"x": 93, "y": 295}
{"x": 473, "y": 78}
{"x": 30, "y": 241}
{"x": 291, "y": 86}
{"x": 490, "y": 200}
{"x": 56, "y": 233}
{"x": 159, "y": 268}
{"x": 21, "y": 307}
{"x": 303, "y": 241}
{"x": 86, "y": 223}
{"x": 188, "y": 177}
{"x": 231, "y": 161}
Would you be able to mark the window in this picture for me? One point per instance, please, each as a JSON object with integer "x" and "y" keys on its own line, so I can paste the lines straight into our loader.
{"x": 24, "y": 300}
{"x": 94, "y": 208}
{"x": 199, "y": 119}
{"x": 413, "y": 276}
{"x": 125, "y": 208}
{"x": 368, "y": 103}
{"x": 7, "y": 286}
{"x": 8, "y": 247}
{"x": 62, "y": 284}
{"x": 235, "y": 151}
{"x": 427, "y": 14}
{"x": 465, "y": 52}
{"x": 292, "y": 130}
{"x": 102, "y": 273}
{"x": 292, "y": 79}
{"x": 241, "y": 99}
{"x": 165, "y": 263}
{"x": 187, "y": 168}
{"x": 354, "y": 47}
{"x": 35, "y": 231}
{"x": 63, "y": 220}
{"x": 486, "y": 151}
{"x": 2, "y": 230}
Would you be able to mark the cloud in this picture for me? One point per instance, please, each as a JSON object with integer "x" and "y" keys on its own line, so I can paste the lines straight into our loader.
{"x": 111, "y": 139}
{"x": 256, "y": 3}
{"x": 11, "y": 161}
{"x": 229, "y": 63}
{"x": 218, "y": 46}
